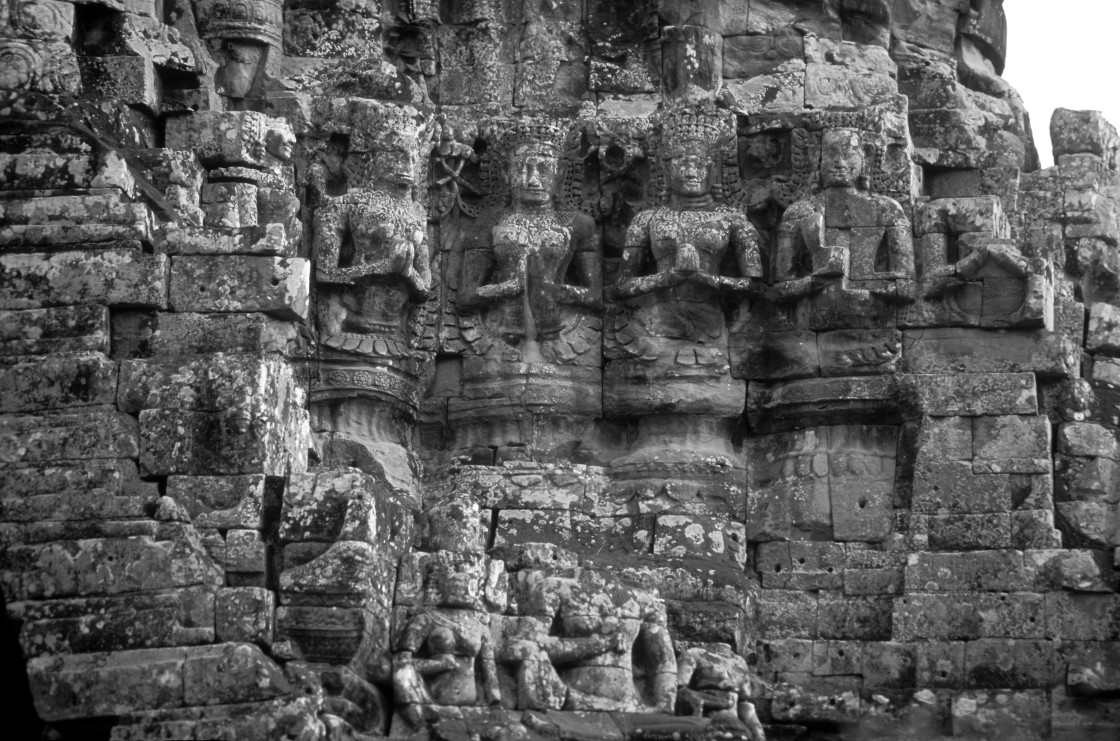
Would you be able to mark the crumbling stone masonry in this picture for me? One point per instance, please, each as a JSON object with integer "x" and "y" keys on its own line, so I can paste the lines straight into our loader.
{"x": 524, "y": 369}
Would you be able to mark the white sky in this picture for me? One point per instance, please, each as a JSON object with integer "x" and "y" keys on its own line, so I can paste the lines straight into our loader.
{"x": 1063, "y": 55}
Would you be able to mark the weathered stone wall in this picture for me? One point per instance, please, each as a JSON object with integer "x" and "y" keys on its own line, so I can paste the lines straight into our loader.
{"x": 576, "y": 369}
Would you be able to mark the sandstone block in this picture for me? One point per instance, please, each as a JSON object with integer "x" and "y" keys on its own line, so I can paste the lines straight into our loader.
{"x": 977, "y": 394}
{"x": 1089, "y": 440}
{"x": 1074, "y": 718}
{"x": 972, "y": 615}
{"x": 782, "y": 89}
{"x": 963, "y": 216}
{"x": 786, "y": 655}
{"x": 1010, "y": 438}
{"x": 230, "y": 205}
{"x": 800, "y": 564}
{"x": 174, "y": 441}
{"x": 1091, "y": 670}
{"x": 245, "y": 552}
{"x": 62, "y": 329}
{"x": 1075, "y": 132}
{"x": 861, "y": 509}
{"x": 244, "y": 384}
{"x": 704, "y": 537}
{"x": 221, "y": 501}
{"x": 130, "y": 79}
{"x": 74, "y": 504}
{"x": 345, "y": 505}
{"x": 969, "y": 532}
{"x": 840, "y": 74}
{"x": 1012, "y": 664}
{"x": 238, "y": 283}
{"x": 533, "y": 526}
{"x": 110, "y": 683}
{"x": 1075, "y": 570}
{"x": 118, "y": 623}
{"x": 1034, "y": 528}
{"x": 97, "y": 477}
{"x": 198, "y": 334}
{"x": 685, "y": 579}
{"x": 708, "y": 622}
{"x": 873, "y": 581}
{"x": 726, "y": 19}
{"x": 172, "y": 557}
{"x": 244, "y": 614}
{"x": 57, "y": 382}
{"x": 940, "y": 663}
{"x": 1092, "y": 524}
{"x": 113, "y": 277}
{"x": 787, "y": 614}
{"x": 831, "y": 658}
{"x": 1082, "y": 617}
{"x": 942, "y": 349}
{"x": 231, "y": 673}
{"x": 887, "y": 664}
{"x": 746, "y": 57}
{"x": 347, "y": 574}
{"x": 951, "y": 487}
{"x": 980, "y": 571}
{"x": 854, "y": 618}
{"x": 105, "y": 208}
{"x": 222, "y": 138}
{"x": 68, "y": 437}
{"x": 1104, "y": 330}
{"x": 945, "y": 439}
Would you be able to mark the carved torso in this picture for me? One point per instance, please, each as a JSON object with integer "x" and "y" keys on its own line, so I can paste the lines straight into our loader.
{"x": 520, "y": 290}
{"x": 375, "y": 221}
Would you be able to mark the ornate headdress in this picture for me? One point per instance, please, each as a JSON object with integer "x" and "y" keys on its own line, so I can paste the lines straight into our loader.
{"x": 385, "y": 127}
{"x": 695, "y": 129}
{"x": 698, "y": 129}
{"x": 544, "y": 137}
{"x": 261, "y": 20}
{"x": 541, "y": 136}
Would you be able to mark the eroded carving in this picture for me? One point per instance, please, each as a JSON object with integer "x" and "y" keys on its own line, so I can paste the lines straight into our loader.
{"x": 529, "y": 303}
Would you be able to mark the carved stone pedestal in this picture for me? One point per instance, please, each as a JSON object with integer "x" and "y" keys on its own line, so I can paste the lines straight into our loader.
{"x": 680, "y": 464}
{"x": 525, "y": 410}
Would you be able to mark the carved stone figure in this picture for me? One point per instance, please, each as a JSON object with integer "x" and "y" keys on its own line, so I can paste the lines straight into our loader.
{"x": 843, "y": 233}
{"x": 529, "y": 303}
{"x": 244, "y": 38}
{"x": 247, "y": 202}
{"x": 712, "y": 679}
{"x": 671, "y": 274}
{"x": 374, "y": 273}
{"x": 521, "y": 288}
{"x": 444, "y": 654}
{"x": 374, "y": 238}
{"x": 842, "y": 266}
{"x": 668, "y": 361}
{"x": 588, "y": 642}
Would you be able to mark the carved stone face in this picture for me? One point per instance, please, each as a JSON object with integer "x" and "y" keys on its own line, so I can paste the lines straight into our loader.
{"x": 280, "y": 143}
{"x": 455, "y": 583}
{"x": 532, "y": 176}
{"x": 841, "y": 159}
{"x": 397, "y": 167}
{"x": 690, "y": 174}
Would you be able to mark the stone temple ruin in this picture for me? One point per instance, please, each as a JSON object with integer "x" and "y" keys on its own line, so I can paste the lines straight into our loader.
{"x": 503, "y": 370}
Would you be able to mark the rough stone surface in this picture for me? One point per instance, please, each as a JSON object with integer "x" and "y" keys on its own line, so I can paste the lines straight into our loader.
{"x": 577, "y": 370}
